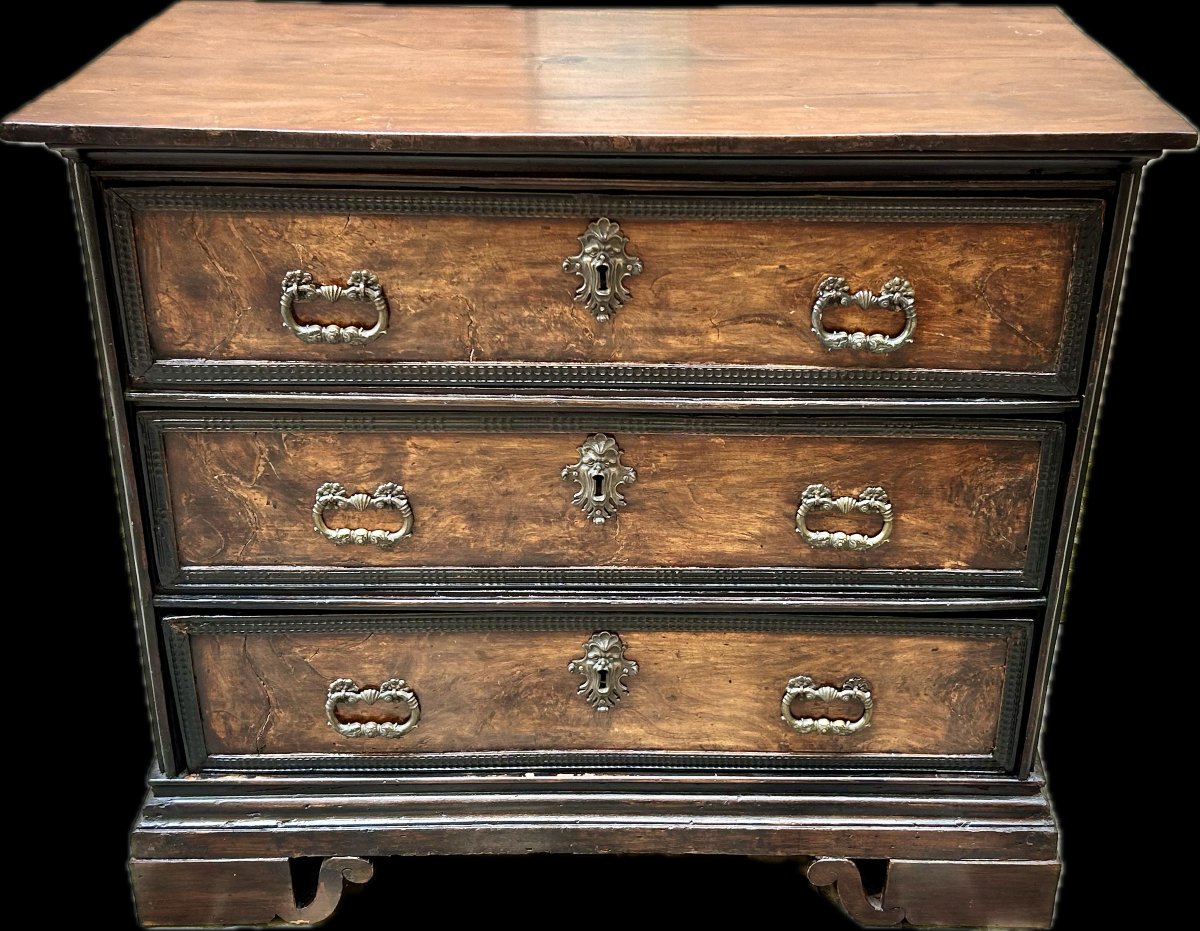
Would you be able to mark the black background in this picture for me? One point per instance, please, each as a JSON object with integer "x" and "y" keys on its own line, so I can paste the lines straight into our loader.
{"x": 70, "y": 627}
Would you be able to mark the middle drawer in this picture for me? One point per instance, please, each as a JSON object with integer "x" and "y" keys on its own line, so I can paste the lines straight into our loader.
{"x": 443, "y": 500}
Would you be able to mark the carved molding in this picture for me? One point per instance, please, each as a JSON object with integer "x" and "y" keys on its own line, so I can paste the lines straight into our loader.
{"x": 1084, "y": 216}
{"x": 154, "y": 425}
{"x": 177, "y": 632}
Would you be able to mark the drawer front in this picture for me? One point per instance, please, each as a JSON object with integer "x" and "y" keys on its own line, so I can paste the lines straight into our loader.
{"x": 718, "y": 292}
{"x": 496, "y": 691}
{"x": 308, "y": 500}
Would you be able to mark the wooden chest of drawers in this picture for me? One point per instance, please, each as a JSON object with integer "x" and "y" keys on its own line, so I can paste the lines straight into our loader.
{"x": 515, "y": 461}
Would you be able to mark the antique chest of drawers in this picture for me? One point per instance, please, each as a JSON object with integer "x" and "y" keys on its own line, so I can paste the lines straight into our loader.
{"x": 602, "y": 432}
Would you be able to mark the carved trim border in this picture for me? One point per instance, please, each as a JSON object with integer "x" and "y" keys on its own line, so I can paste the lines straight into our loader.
{"x": 153, "y": 425}
{"x": 178, "y": 630}
{"x": 1085, "y": 214}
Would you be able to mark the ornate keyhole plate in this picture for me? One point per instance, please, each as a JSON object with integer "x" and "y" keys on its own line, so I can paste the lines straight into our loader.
{"x": 603, "y": 264}
{"x": 604, "y": 669}
{"x": 599, "y": 472}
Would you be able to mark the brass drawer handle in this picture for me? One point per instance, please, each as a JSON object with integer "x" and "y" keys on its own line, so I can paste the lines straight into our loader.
{"x": 896, "y": 294}
{"x": 604, "y": 669}
{"x": 804, "y": 689}
{"x": 599, "y": 471}
{"x": 872, "y": 500}
{"x": 387, "y": 495}
{"x": 361, "y": 286}
{"x": 603, "y": 264}
{"x": 392, "y": 692}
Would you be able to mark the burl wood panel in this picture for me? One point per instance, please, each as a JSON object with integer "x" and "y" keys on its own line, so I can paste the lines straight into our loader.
{"x": 469, "y": 289}
{"x": 511, "y": 690}
{"x": 498, "y": 499}
{"x": 739, "y": 80}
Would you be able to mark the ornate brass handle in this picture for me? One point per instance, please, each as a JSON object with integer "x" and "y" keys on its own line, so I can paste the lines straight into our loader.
{"x": 896, "y": 294}
{"x": 387, "y": 495}
{"x": 299, "y": 287}
{"x": 604, "y": 669}
{"x": 873, "y": 500}
{"x": 393, "y": 691}
{"x": 603, "y": 264}
{"x": 803, "y": 688}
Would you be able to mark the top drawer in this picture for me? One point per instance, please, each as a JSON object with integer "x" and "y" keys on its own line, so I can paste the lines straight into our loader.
{"x": 251, "y": 286}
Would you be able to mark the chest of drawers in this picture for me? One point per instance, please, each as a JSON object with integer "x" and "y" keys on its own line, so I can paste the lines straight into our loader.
{"x": 567, "y": 455}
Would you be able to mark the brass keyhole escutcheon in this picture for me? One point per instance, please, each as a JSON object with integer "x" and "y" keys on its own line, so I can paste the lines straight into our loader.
{"x": 602, "y": 265}
{"x": 599, "y": 474}
{"x": 604, "y": 669}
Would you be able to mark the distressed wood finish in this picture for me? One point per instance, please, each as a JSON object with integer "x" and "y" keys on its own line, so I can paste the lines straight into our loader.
{"x": 244, "y": 498}
{"x": 732, "y": 81}
{"x": 276, "y": 122}
{"x": 510, "y": 690}
{"x": 187, "y": 893}
{"x": 945, "y": 893}
{"x": 991, "y": 296}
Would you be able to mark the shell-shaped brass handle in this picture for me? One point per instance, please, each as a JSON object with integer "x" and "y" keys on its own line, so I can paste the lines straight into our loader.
{"x": 332, "y": 495}
{"x": 872, "y": 500}
{"x": 896, "y": 294}
{"x": 805, "y": 689}
{"x": 391, "y": 692}
{"x": 603, "y": 264}
{"x": 362, "y": 286}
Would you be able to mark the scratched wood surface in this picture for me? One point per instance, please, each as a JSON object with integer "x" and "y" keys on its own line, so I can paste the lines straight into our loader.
{"x": 990, "y": 296}
{"x": 511, "y": 690}
{"x": 497, "y": 499}
{"x": 739, "y": 80}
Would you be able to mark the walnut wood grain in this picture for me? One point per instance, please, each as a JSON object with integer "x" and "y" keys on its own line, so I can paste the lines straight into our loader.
{"x": 511, "y": 690}
{"x": 497, "y": 499}
{"x": 990, "y": 296}
{"x": 732, "y": 81}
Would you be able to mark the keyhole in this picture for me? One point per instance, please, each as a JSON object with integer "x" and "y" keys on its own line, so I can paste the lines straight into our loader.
{"x": 597, "y": 487}
{"x": 602, "y": 681}
{"x": 602, "y": 279}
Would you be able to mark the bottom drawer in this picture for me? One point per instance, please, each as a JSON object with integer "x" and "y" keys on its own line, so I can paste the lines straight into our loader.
{"x": 501, "y": 692}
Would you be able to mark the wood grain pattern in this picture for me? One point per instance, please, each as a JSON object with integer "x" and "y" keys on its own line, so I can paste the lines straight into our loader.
{"x": 734, "y": 81}
{"x": 497, "y": 499}
{"x": 192, "y": 893}
{"x": 990, "y": 296}
{"x": 978, "y": 894}
{"x": 511, "y": 690}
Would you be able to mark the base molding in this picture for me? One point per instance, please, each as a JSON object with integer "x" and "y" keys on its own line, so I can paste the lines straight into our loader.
{"x": 979, "y": 855}
{"x": 944, "y": 893}
{"x": 187, "y": 893}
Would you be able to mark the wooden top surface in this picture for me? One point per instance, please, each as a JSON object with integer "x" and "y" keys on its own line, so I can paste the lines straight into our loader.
{"x": 815, "y": 80}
